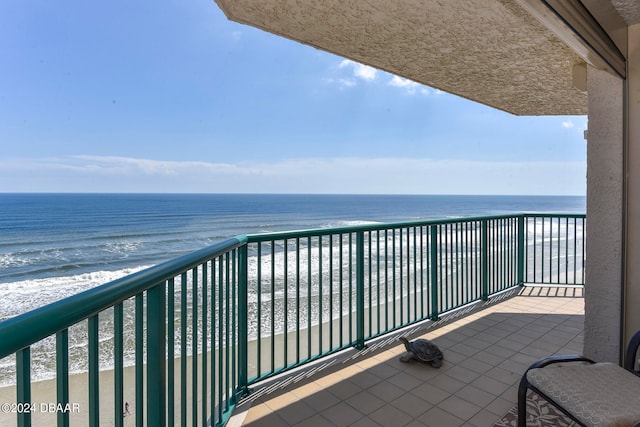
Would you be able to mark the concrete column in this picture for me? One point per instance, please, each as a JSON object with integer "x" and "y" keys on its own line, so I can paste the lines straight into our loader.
{"x": 632, "y": 264}
{"x": 605, "y": 195}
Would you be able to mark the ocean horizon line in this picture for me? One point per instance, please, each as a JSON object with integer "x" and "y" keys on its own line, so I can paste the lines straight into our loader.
{"x": 282, "y": 194}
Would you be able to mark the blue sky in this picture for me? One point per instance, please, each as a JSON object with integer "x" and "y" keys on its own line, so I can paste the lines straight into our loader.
{"x": 170, "y": 96}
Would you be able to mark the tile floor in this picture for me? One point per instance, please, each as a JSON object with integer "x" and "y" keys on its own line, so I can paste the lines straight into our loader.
{"x": 487, "y": 348}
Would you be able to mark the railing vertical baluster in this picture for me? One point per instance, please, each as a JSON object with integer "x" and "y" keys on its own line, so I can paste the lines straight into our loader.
{"x": 341, "y": 289}
{"x": 222, "y": 359}
{"x": 369, "y": 280}
{"x": 511, "y": 272}
{"x": 506, "y": 248}
{"x": 513, "y": 252}
{"x": 400, "y": 262}
{"x": 490, "y": 251}
{"x": 567, "y": 257}
{"x": 408, "y": 273}
{"x": 422, "y": 272}
{"x": 171, "y": 341}
{"x": 575, "y": 251}
{"x": 194, "y": 346}
{"x": 378, "y": 279}
{"x": 204, "y": 336}
{"x": 469, "y": 260}
{"x": 459, "y": 278}
{"x": 350, "y": 288}
{"x": 557, "y": 245}
{"x": 415, "y": 273}
{"x": 508, "y": 251}
{"x": 156, "y": 361}
{"x": 464, "y": 235}
{"x": 444, "y": 277}
{"x": 94, "y": 384}
{"x": 542, "y": 257}
{"x": 62, "y": 375}
{"x": 386, "y": 279}
{"x": 498, "y": 260}
{"x": 525, "y": 231}
{"x": 496, "y": 250}
{"x": 448, "y": 265}
{"x": 535, "y": 248}
{"x": 183, "y": 349}
{"x": 330, "y": 291}
{"x": 285, "y": 310}
{"x": 320, "y": 296}
{"x": 227, "y": 328}
{"x": 393, "y": 275}
{"x": 584, "y": 254}
{"x": 566, "y": 250}
{"x": 258, "y": 280}
{"x": 297, "y": 247}
{"x": 118, "y": 365}
{"x": 485, "y": 260}
{"x": 442, "y": 274}
{"x": 234, "y": 319}
{"x": 553, "y": 244}
{"x": 360, "y": 290}
{"x": 309, "y": 283}
{"x": 433, "y": 235}
{"x": 23, "y": 384}
{"x": 520, "y": 250}
{"x": 243, "y": 327}
{"x": 215, "y": 361}
{"x": 421, "y": 269}
{"x": 273, "y": 305}
{"x": 498, "y": 284}
{"x": 139, "y": 358}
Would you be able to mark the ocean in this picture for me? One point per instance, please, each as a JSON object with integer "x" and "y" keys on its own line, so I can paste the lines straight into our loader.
{"x": 55, "y": 245}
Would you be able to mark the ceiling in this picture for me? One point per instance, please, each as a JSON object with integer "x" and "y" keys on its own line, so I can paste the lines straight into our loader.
{"x": 495, "y": 52}
{"x": 629, "y": 10}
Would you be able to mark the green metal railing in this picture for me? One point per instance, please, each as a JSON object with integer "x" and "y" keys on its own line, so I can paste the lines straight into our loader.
{"x": 179, "y": 343}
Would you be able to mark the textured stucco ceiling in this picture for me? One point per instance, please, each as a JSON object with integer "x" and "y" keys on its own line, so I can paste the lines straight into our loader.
{"x": 629, "y": 10}
{"x": 490, "y": 51}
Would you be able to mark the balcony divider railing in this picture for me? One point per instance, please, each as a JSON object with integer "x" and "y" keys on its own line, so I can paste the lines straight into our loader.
{"x": 179, "y": 343}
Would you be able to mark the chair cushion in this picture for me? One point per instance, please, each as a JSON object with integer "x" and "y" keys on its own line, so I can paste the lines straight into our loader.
{"x": 598, "y": 394}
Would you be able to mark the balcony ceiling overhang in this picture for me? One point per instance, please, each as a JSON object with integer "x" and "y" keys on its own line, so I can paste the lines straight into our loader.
{"x": 496, "y": 52}
{"x": 493, "y": 52}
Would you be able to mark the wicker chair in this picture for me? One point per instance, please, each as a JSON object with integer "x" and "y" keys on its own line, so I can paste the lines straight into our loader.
{"x": 590, "y": 393}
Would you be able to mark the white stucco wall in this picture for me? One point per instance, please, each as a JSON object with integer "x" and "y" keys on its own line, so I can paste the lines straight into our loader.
{"x": 603, "y": 286}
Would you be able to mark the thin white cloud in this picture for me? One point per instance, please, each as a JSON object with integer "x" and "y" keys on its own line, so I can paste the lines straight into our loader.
{"x": 342, "y": 82}
{"x": 302, "y": 175}
{"x": 360, "y": 71}
{"x": 409, "y": 85}
{"x": 577, "y": 124}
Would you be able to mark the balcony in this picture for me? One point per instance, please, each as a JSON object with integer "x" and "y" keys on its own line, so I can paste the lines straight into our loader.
{"x": 487, "y": 347}
{"x": 248, "y": 310}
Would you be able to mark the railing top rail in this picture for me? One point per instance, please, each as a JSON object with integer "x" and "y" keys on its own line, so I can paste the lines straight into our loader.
{"x": 280, "y": 235}
{"x": 552, "y": 215}
{"x": 25, "y": 329}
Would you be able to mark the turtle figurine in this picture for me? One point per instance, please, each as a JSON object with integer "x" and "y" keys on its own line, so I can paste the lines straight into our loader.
{"x": 422, "y": 350}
